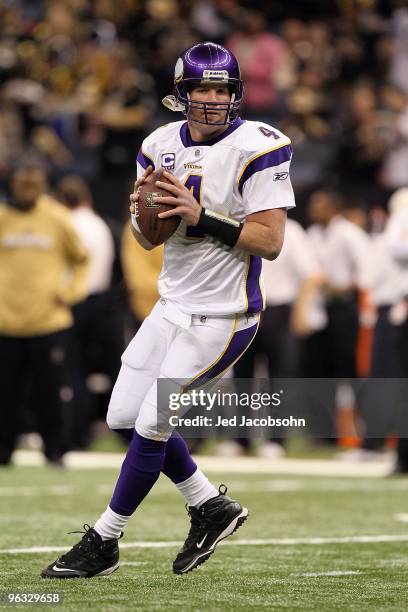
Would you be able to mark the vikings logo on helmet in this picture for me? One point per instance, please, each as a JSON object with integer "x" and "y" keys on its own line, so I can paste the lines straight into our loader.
{"x": 206, "y": 63}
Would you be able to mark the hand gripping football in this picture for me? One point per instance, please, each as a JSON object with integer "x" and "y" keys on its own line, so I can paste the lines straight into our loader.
{"x": 155, "y": 230}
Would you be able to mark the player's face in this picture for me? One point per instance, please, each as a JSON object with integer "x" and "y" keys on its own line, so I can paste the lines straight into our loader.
{"x": 216, "y": 95}
{"x": 27, "y": 185}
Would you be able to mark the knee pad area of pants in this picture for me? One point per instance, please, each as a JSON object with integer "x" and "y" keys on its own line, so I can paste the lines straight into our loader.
{"x": 115, "y": 422}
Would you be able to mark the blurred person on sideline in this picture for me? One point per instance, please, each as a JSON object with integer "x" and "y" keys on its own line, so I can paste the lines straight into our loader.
{"x": 396, "y": 237}
{"x": 44, "y": 271}
{"x": 293, "y": 312}
{"x": 98, "y": 328}
{"x": 262, "y": 57}
{"x": 388, "y": 283}
{"x": 342, "y": 249}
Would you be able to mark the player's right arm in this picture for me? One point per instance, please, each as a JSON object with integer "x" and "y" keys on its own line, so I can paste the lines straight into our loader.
{"x": 134, "y": 196}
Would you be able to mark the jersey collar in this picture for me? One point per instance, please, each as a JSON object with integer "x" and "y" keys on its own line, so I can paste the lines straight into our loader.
{"x": 189, "y": 142}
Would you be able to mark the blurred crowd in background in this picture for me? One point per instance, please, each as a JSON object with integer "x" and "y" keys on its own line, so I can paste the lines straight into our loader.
{"x": 81, "y": 83}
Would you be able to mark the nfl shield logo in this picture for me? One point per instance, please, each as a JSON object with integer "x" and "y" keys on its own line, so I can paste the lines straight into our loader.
{"x": 168, "y": 161}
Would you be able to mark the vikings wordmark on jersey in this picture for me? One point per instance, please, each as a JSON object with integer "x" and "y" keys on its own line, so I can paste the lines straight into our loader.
{"x": 233, "y": 175}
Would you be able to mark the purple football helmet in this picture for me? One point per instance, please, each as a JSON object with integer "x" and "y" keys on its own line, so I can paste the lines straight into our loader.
{"x": 206, "y": 63}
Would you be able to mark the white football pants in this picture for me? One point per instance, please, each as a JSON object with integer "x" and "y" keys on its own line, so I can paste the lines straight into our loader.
{"x": 173, "y": 345}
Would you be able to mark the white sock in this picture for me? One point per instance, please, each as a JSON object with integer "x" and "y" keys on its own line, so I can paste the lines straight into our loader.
{"x": 110, "y": 524}
{"x": 197, "y": 489}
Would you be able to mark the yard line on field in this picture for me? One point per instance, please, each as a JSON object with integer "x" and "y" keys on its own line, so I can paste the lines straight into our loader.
{"x": 333, "y": 573}
{"x": 369, "y": 539}
{"x": 282, "y": 486}
{"x": 366, "y": 539}
{"x": 276, "y": 486}
{"x": 338, "y": 485}
{"x": 133, "y": 563}
{"x": 52, "y": 549}
{"x": 237, "y": 465}
{"x": 35, "y": 491}
{"x": 272, "y": 486}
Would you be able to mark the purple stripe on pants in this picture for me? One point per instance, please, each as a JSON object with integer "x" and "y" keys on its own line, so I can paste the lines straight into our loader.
{"x": 237, "y": 346}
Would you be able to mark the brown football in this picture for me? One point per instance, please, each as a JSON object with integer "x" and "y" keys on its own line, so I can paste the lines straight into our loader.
{"x": 155, "y": 230}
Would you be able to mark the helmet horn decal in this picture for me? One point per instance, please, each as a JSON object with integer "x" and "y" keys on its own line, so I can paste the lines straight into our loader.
{"x": 178, "y": 70}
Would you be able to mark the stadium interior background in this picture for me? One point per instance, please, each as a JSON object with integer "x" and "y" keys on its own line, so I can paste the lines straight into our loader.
{"x": 81, "y": 84}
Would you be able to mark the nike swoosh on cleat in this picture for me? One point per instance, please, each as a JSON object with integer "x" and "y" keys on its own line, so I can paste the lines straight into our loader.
{"x": 63, "y": 569}
{"x": 199, "y": 544}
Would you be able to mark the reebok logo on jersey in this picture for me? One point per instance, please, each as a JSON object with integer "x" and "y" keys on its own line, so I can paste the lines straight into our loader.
{"x": 280, "y": 176}
{"x": 190, "y": 166}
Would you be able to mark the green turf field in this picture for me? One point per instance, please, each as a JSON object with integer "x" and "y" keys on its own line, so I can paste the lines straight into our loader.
{"x": 39, "y": 505}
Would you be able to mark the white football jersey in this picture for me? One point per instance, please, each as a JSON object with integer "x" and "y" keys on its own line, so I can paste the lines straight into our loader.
{"x": 242, "y": 171}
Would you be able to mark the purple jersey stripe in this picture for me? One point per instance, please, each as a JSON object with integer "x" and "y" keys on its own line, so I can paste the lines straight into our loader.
{"x": 238, "y": 345}
{"x": 143, "y": 160}
{"x": 252, "y": 286}
{"x": 267, "y": 160}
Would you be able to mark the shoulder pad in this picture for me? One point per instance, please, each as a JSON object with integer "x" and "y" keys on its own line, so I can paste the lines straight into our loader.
{"x": 258, "y": 136}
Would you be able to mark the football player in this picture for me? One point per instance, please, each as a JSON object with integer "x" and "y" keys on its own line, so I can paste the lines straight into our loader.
{"x": 230, "y": 185}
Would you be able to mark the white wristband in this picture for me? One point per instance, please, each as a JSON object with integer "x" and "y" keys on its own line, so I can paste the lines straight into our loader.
{"x": 135, "y": 223}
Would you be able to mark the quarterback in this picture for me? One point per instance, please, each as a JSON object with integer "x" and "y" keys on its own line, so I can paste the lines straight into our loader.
{"x": 230, "y": 185}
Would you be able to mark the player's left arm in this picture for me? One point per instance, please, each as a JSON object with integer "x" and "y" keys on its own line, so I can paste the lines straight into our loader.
{"x": 262, "y": 233}
{"x": 267, "y": 194}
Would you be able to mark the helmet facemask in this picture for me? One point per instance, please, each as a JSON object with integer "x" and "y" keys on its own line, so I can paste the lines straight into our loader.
{"x": 230, "y": 109}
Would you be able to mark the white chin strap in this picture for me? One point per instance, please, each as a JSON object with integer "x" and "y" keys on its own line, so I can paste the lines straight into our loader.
{"x": 172, "y": 104}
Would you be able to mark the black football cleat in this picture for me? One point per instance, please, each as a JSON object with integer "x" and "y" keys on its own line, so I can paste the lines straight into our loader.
{"x": 90, "y": 557}
{"x": 215, "y": 520}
